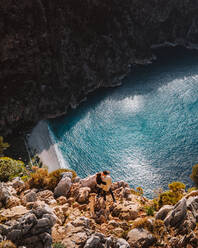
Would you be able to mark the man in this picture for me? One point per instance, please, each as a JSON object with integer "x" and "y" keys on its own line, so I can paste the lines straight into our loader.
{"x": 104, "y": 181}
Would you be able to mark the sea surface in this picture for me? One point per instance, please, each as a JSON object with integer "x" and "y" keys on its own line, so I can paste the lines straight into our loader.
{"x": 145, "y": 131}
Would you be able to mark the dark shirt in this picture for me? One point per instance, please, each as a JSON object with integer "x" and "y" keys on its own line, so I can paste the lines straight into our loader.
{"x": 99, "y": 179}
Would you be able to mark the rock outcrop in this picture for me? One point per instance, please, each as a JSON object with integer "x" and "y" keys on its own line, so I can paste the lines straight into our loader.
{"x": 58, "y": 51}
{"x": 34, "y": 218}
{"x": 32, "y": 230}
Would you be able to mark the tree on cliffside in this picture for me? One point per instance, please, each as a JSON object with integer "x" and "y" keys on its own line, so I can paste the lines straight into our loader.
{"x": 3, "y": 146}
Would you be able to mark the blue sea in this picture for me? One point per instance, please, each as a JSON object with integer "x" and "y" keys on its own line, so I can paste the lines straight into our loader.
{"x": 145, "y": 131}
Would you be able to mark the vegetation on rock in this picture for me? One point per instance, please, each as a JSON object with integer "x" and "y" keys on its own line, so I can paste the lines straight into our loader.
{"x": 169, "y": 197}
{"x": 194, "y": 175}
{"x": 3, "y": 145}
{"x": 10, "y": 168}
{"x": 41, "y": 179}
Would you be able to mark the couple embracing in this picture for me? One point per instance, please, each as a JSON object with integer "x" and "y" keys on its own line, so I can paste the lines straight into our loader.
{"x": 104, "y": 181}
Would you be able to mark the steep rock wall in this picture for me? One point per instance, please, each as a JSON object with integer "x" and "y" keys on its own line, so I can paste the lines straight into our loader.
{"x": 52, "y": 53}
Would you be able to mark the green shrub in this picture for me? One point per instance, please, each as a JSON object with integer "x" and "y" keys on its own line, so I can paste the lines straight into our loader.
{"x": 194, "y": 175}
{"x": 38, "y": 179}
{"x": 149, "y": 210}
{"x": 3, "y": 146}
{"x": 10, "y": 168}
{"x": 55, "y": 176}
{"x": 139, "y": 190}
{"x": 169, "y": 197}
{"x": 177, "y": 187}
{"x": 58, "y": 245}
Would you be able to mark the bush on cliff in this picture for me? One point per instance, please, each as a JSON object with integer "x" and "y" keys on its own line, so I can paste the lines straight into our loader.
{"x": 3, "y": 145}
{"x": 55, "y": 176}
{"x": 171, "y": 196}
{"x": 41, "y": 179}
{"x": 194, "y": 175}
{"x": 10, "y": 168}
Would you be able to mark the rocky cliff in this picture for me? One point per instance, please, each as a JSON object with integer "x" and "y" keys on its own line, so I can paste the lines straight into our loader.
{"x": 52, "y": 53}
{"x": 70, "y": 216}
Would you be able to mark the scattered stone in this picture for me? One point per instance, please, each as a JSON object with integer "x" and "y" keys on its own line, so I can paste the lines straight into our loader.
{"x": 83, "y": 195}
{"x": 47, "y": 196}
{"x": 139, "y": 237}
{"x": 13, "y": 201}
{"x": 18, "y": 184}
{"x": 126, "y": 211}
{"x": 61, "y": 200}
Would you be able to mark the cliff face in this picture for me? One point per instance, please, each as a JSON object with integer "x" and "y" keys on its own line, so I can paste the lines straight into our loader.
{"x": 52, "y": 53}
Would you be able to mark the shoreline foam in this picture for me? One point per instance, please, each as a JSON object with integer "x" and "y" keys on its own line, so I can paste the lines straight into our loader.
{"x": 40, "y": 142}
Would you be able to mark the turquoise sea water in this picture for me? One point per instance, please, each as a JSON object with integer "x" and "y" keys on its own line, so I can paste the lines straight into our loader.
{"x": 145, "y": 132}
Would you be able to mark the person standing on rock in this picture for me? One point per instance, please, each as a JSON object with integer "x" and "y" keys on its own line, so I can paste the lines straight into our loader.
{"x": 104, "y": 181}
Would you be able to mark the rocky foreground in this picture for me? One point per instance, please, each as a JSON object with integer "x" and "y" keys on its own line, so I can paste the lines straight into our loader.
{"x": 71, "y": 216}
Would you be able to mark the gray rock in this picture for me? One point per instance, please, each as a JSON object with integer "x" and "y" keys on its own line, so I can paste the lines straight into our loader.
{"x": 4, "y": 194}
{"x": 192, "y": 205}
{"x": 140, "y": 237}
{"x": 177, "y": 215}
{"x": 17, "y": 183}
{"x": 47, "y": 239}
{"x": 162, "y": 213}
{"x": 30, "y": 197}
{"x": 33, "y": 229}
{"x": 83, "y": 195}
{"x": 63, "y": 187}
{"x": 122, "y": 243}
{"x": 88, "y": 182}
{"x": 67, "y": 174}
{"x": 81, "y": 221}
{"x": 94, "y": 242}
{"x": 76, "y": 179}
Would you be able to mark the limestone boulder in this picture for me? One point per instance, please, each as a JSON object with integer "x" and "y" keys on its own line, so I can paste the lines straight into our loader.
{"x": 47, "y": 196}
{"x": 13, "y": 213}
{"x": 83, "y": 195}
{"x": 139, "y": 237}
{"x": 63, "y": 187}
{"x": 126, "y": 211}
{"x": 176, "y": 216}
{"x": 61, "y": 200}
{"x": 31, "y": 230}
{"x": 89, "y": 182}
{"x": 4, "y": 194}
{"x": 13, "y": 201}
{"x": 18, "y": 184}
{"x": 29, "y": 197}
{"x": 98, "y": 240}
{"x": 120, "y": 184}
{"x": 162, "y": 213}
{"x": 192, "y": 205}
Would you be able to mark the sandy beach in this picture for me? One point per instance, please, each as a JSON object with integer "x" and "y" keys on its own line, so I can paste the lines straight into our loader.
{"x": 40, "y": 142}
